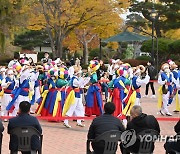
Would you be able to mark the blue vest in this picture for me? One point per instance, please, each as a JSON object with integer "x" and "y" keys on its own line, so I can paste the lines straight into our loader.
{"x": 11, "y": 86}
{"x": 165, "y": 77}
{"x": 117, "y": 82}
{"x": 175, "y": 74}
{"x": 135, "y": 86}
{"x": 52, "y": 83}
{"x": 77, "y": 94}
{"x": 24, "y": 84}
{"x": 1, "y": 78}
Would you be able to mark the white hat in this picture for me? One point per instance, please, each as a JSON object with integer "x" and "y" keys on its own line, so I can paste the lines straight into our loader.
{"x": 79, "y": 72}
{"x": 116, "y": 66}
{"x": 165, "y": 66}
{"x": 113, "y": 61}
{"x": 3, "y": 69}
{"x": 58, "y": 60}
{"x": 26, "y": 62}
{"x": 117, "y": 60}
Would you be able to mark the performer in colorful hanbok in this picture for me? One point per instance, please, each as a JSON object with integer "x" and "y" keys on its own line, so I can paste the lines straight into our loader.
{"x": 73, "y": 104}
{"x": 133, "y": 98}
{"x": 36, "y": 95}
{"x": 47, "y": 105}
{"x": 175, "y": 80}
{"x": 178, "y": 93}
{"x": 2, "y": 76}
{"x": 61, "y": 84}
{"x": 72, "y": 68}
{"x": 8, "y": 85}
{"x": 25, "y": 89}
{"x": 94, "y": 103}
{"x": 165, "y": 90}
{"x": 119, "y": 92}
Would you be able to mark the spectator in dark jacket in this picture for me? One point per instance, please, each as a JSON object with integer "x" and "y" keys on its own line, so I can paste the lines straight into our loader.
{"x": 24, "y": 119}
{"x": 170, "y": 146}
{"x": 139, "y": 122}
{"x": 104, "y": 123}
{"x": 1, "y": 130}
{"x": 151, "y": 72}
{"x": 1, "y": 127}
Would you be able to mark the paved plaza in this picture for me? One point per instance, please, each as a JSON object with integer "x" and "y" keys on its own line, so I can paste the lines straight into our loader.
{"x": 60, "y": 140}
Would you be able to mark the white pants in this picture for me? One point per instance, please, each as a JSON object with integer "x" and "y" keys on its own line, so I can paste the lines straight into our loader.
{"x": 37, "y": 93}
{"x": 76, "y": 109}
{"x": 165, "y": 102}
{"x": 6, "y": 99}
{"x": 17, "y": 102}
{"x": 137, "y": 101}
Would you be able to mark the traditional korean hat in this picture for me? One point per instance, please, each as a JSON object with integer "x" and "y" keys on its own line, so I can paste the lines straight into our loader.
{"x": 77, "y": 70}
{"x": 94, "y": 65}
{"x": 170, "y": 62}
{"x": 119, "y": 72}
{"x": 47, "y": 66}
{"x": 53, "y": 72}
{"x": 164, "y": 66}
{"x": 142, "y": 68}
{"x": 39, "y": 67}
{"x": 126, "y": 66}
{"x": 3, "y": 69}
{"x": 17, "y": 67}
{"x": 63, "y": 73}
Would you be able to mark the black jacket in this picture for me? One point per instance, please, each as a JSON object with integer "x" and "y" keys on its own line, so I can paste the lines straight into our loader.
{"x": 151, "y": 72}
{"x": 141, "y": 123}
{"x": 23, "y": 120}
{"x": 177, "y": 127}
{"x": 177, "y": 130}
{"x": 1, "y": 127}
{"x": 100, "y": 125}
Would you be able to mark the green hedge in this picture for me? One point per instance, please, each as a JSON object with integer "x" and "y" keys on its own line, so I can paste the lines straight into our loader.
{"x": 135, "y": 62}
{"x": 146, "y": 58}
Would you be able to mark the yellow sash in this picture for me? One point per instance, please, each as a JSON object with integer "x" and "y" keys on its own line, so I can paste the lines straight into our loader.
{"x": 160, "y": 93}
{"x": 58, "y": 98}
{"x": 70, "y": 100}
{"x": 130, "y": 104}
{"x": 177, "y": 102}
{"x": 44, "y": 95}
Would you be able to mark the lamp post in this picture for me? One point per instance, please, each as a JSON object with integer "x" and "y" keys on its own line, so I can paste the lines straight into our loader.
{"x": 153, "y": 18}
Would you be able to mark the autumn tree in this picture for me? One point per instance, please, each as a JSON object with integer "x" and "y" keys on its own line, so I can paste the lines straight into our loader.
{"x": 61, "y": 17}
{"x": 13, "y": 19}
{"x": 102, "y": 26}
{"x": 9, "y": 12}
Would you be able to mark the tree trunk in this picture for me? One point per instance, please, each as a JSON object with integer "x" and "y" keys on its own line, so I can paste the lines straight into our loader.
{"x": 85, "y": 52}
{"x": 51, "y": 41}
{"x": 60, "y": 49}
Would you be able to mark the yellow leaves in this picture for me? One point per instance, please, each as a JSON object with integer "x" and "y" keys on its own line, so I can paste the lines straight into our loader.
{"x": 113, "y": 45}
{"x": 72, "y": 43}
{"x": 173, "y": 34}
{"x": 36, "y": 23}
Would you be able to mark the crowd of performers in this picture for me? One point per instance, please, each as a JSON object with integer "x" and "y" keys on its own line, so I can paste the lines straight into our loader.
{"x": 60, "y": 91}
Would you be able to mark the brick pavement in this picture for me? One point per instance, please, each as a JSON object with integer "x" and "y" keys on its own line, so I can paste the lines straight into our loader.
{"x": 60, "y": 140}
